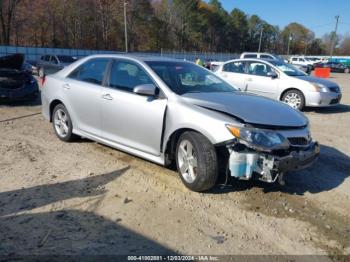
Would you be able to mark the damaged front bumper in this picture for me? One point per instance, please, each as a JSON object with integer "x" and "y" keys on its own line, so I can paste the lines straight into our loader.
{"x": 246, "y": 164}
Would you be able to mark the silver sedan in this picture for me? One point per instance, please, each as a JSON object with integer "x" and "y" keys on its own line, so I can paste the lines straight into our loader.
{"x": 280, "y": 81}
{"x": 168, "y": 111}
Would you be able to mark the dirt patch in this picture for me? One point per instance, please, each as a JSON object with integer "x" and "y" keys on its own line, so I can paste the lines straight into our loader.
{"x": 86, "y": 198}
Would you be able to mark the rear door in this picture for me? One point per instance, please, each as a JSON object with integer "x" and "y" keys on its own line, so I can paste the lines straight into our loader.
{"x": 130, "y": 119}
{"x": 82, "y": 90}
{"x": 234, "y": 73}
{"x": 258, "y": 81}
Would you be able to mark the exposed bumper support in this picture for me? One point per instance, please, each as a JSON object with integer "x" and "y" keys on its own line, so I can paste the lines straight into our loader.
{"x": 268, "y": 167}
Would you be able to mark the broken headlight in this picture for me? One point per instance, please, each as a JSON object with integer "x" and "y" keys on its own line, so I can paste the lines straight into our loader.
{"x": 259, "y": 139}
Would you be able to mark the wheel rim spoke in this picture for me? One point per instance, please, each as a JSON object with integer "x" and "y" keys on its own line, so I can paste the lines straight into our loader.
{"x": 61, "y": 123}
{"x": 65, "y": 128}
{"x": 293, "y": 100}
{"x": 183, "y": 167}
{"x": 187, "y": 161}
{"x": 64, "y": 118}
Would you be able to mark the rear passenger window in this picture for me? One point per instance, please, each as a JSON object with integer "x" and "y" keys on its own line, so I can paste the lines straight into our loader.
{"x": 250, "y": 56}
{"x": 234, "y": 67}
{"x": 91, "y": 71}
{"x": 266, "y": 57}
{"x": 126, "y": 75}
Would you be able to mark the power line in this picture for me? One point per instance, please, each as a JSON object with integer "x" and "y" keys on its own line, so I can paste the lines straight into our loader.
{"x": 324, "y": 25}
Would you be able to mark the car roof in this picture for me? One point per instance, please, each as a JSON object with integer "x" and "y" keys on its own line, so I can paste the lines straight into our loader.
{"x": 252, "y": 59}
{"x": 138, "y": 57}
{"x": 256, "y": 53}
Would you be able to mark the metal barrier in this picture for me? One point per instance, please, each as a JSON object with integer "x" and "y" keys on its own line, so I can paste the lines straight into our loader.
{"x": 32, "y": 54}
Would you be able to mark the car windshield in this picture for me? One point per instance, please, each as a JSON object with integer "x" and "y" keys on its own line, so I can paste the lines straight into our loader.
{"x": 279, "y": 58}
{"x": 288, "y": 69}
{"x": 184, "y": 77}
{"x": 66, "y": 59}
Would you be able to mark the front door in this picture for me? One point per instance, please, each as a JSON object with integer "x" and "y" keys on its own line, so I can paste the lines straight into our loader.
{"x": 259, "y": 82}
{"x": 130, "y": 119}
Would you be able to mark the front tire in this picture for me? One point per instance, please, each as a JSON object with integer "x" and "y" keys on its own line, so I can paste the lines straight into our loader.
{"x": 62, "y": 124}
{"x": 294, "y": 98}
{"x": 196, "y": 161}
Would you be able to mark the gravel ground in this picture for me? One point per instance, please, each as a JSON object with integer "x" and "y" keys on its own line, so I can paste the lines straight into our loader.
{"x": 86, "y": 198}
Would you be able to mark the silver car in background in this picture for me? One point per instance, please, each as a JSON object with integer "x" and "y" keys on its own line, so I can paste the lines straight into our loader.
{"x": 280, "y": 81}
{"x": 167, "y": 110}
{"x": 49, "y": 64}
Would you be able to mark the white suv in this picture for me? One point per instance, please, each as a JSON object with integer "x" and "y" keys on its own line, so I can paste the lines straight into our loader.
{"x": 260, "y": 55}
{"x": 298, "y": 60}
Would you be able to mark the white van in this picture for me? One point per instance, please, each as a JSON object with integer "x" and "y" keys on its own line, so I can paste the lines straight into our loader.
{"x": 261, "y": 56}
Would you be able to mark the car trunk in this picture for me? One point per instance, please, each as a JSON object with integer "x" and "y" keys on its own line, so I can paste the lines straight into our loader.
{"x": 11, "y": 76}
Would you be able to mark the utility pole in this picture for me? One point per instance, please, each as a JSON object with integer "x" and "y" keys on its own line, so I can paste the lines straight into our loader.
{"x": 261, "y": 33}
{"x": 125, "y": 29}
{"x": 306, "y": 43}
{"x": 289, "y": 39}
{"x": 334, "y": 35}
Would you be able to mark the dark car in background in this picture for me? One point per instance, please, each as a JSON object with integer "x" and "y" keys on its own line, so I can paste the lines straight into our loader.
{"x": 16, "y": 81}
{"x": 334, "y": 66}
{"x": 49, "y": 64}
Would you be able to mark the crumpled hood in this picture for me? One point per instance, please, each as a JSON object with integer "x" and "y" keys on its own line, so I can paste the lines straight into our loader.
{"x": 251, "y": 109}
{"x": 12, "y": 61}
{"x": 324, "y": 82}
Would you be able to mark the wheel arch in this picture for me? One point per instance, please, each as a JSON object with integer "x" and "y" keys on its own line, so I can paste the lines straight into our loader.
{"x": 171, "y": 142}
{"x": 53, "y": 104}
{"x": 289, "y": 89}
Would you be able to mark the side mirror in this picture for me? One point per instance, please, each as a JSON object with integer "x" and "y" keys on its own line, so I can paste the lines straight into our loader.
{"x": 272, "y": 74}
{"x": 146, "y": 90}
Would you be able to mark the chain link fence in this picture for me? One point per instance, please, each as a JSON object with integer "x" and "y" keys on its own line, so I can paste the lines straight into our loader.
{"x": 32, "y": 54}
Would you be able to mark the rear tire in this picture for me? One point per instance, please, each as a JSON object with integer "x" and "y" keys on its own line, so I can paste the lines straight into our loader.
{"x": 196, "y": 161}
{"x": 62, "y": 124}
{"x": 294, "y": 98}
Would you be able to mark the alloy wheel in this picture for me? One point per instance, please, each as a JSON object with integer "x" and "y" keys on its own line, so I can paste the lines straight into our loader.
{"x": 187, "y": 161}
{"x": 293, "y": 100}
{"x": 61, "y": 123}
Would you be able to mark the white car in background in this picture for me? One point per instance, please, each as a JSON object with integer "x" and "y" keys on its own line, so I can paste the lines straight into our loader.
{"x": 299, "y": 60}
{"x": 267, "y": 56}
{"x": 280, "y": 81}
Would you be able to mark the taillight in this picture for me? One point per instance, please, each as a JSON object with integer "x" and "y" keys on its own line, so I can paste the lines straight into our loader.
{"x": 43, "y": 81}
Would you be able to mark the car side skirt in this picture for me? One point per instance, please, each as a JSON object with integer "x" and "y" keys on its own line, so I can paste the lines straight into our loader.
{"x": 156, "y": 159}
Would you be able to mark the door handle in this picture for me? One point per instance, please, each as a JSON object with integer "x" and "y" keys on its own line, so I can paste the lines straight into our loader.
{"x": 249, "y": 79}
{"x": 107, "y": 97}
{"x": 66, "y": 86}
{"x": 224, "y": 75}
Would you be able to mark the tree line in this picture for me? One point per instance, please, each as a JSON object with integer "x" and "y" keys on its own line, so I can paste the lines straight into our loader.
{"x": 152, "y": 25}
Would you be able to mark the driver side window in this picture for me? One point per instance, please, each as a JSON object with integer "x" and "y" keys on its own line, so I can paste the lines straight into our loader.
{"x": 259, "y": 69}
{"x": 126, "y": 75}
